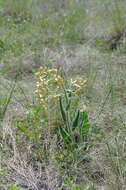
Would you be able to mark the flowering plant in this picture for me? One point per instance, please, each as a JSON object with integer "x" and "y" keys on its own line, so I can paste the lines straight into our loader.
{"x": 47, "y": 81}
{"x": 52, "y": 87}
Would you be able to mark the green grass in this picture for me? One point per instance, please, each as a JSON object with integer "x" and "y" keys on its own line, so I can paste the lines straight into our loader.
{"x": 85, "y": 39}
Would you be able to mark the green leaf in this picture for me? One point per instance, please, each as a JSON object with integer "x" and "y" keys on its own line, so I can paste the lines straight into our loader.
{"x": 85, "y": 125}
{"x": 7, "y": 102}
{"x": 13, "y": 187}
{"x": 76, "y": 121}
{"x": 68, "y": 95}
{"x": 68, "y": 104}
{"x": 64, "y": 134}
{"x": 22, "y": 127}
{"x": 63, "y": 113}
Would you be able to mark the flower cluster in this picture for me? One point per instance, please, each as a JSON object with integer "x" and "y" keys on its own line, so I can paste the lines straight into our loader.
{"x": 49, "y": 83}
{"x": 83, "y": 108}
{"x": 78, "y": 84}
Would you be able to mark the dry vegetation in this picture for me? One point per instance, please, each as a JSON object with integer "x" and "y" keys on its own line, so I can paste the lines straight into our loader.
{"x": 69, "y": 132}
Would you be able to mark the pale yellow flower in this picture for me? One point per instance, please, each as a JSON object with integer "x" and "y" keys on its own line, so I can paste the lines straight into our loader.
{"x": 83, "y": 108}
{"x": 78, "y": 84}
{"x": 53, "y": 71}
{"x": 58, "y": 80}
{"x": 48, "y": 83}
{"x": 56, "y": 96}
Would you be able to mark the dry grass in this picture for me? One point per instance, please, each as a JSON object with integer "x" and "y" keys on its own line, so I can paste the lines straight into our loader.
{"x": 41, "y": 164}
{"x": 93, "y": 64}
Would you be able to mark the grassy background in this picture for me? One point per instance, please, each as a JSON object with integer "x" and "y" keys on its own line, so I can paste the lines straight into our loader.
{"x": 85, "y": 38}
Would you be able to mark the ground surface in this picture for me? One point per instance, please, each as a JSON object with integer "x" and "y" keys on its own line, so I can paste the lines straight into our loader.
{"x": 31, "y": 155}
